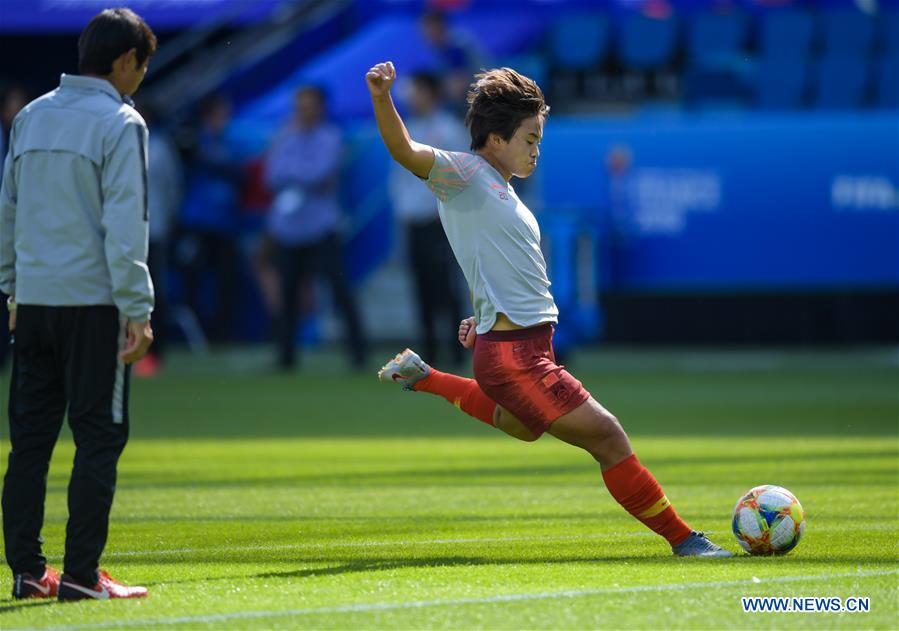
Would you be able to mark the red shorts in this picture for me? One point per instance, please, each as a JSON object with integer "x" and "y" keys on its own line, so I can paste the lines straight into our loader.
{"x": 518, "y": 370}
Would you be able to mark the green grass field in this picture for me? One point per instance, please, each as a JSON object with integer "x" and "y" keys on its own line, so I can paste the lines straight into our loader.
{"x": 255, "y": 500}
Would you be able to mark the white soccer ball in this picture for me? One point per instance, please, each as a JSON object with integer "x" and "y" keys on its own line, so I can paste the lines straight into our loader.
{"x": 768, "y": 520}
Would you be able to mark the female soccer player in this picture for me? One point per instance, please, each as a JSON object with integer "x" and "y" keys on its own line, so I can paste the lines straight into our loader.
{"x": 518, "y": 386}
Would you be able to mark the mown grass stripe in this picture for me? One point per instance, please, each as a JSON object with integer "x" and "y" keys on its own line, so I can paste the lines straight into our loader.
{"x": 423, "y": 542}
{"x": 370, "y": 544}
{"x": 417, "y": 604}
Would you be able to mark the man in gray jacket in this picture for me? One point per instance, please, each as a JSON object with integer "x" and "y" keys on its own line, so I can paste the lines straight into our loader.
{"x": 73, "y": 251}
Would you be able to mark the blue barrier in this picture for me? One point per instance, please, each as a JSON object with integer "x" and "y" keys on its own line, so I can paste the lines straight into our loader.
{"x": 752, "y": 202}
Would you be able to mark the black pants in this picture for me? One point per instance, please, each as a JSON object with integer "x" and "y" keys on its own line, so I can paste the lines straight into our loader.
{"x": 158, "y": 262}
{"x": 64, "y": 357}
{"x": 436, "y": 289}
{"x": 322, "y": 258}
{"x": 4, "y": 335}
{"x": 204, "y": 255}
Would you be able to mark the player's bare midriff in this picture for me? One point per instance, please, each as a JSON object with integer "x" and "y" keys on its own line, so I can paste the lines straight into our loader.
{"x": 503, "y": 323}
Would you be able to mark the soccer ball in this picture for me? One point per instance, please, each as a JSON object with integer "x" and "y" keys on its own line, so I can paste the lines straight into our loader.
{"x": 768, "y": 520}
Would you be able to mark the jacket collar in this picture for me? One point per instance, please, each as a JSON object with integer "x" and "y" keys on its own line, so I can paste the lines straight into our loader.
{"x": 91, "y": 83}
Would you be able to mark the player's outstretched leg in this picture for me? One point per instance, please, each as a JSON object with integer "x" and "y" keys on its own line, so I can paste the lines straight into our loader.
{"x": 408, "y": 370}
{"x": 596, "y": 430}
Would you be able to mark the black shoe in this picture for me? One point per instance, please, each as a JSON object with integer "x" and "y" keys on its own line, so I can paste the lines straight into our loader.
{"x": 24, "y": 585}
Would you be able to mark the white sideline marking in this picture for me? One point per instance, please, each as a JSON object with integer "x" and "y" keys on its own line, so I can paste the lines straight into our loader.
{"x": 418, "y": 604}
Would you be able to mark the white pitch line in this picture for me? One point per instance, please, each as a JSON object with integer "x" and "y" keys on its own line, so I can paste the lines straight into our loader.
{"x": 419, "y": 604}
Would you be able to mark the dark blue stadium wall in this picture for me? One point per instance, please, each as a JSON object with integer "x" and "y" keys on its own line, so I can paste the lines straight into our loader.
{"x": 756, "y": 201}
{"x": 735, "y": 229}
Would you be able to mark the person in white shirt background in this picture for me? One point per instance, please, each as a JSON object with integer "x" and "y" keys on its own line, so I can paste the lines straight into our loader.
{"x": 429, "y": 259}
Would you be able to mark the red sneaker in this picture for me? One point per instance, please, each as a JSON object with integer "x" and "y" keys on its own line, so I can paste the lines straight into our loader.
{"x": 107, "y": 587}
{"x": 26, "y": 586}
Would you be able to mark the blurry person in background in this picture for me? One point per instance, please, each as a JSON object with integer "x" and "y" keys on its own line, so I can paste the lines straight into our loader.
{"x": 165, "y": 190}
{"x": 73, "y": 251}
{"x": 302, "y": 171}
{"x": 210, "y": 218}
{"x": 458, "y": 56}
{"x": 429, "y": 257}
{"x": 12, "y": 100}
{"x": 265, "y": 271}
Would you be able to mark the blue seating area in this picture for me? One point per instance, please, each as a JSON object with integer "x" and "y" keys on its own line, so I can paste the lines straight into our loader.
{"x": 715, "y": 38}
{"x": 786, "y": 33}
{"x": 592, "y": 59}
{"x": 781, "y": 83}
{"x": 890, "y": 34}
{"x": 841, "y": 81}
{"x": 716, "y": 66}
{"x": 647, "y": 43}
{"x": 847, "y": 33}
{"x": 591, "y": 31}
{"x": 779, "y": 58}
{"x": 888, "y": 82}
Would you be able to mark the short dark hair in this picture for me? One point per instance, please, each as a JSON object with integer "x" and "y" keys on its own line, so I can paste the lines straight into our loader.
{"x": 433, "y": 16}
{"x": 429, "y": 82}
{"x": 317, "y": 89}
{"x": 210, "y": 103}
{"x": 109, "y": 35}
{"x": 498, "y": 101}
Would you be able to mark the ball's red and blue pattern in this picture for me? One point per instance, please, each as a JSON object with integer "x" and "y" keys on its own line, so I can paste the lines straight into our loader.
{"x": 768, "y": 520}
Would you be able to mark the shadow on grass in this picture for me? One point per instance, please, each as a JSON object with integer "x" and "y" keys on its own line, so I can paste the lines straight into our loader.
{"x": 18, "y": 605}
{"x": 380, "y": 564}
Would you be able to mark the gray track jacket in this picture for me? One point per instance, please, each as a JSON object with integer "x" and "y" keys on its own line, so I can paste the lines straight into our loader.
{"x": 73, "y": 206}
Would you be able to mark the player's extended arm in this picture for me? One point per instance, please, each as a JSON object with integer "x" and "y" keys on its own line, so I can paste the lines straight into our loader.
{"x": 415, "y": 157}
{"x": 8, "y": 204}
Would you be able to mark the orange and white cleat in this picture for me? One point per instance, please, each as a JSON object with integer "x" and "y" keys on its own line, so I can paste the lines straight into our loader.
{"x": 26, "y": 586}
{"x": 107, "y": 587}
{"x": 405, "y": 369}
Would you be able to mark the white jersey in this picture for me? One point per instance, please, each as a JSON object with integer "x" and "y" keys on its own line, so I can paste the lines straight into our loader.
{"x": 495, "y": 238}
{"x": 412, "y": 202}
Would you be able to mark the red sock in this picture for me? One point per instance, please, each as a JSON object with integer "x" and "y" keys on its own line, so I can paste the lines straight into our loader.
{"x": 464, "y": 393}
{"x": 635, "y": 488}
